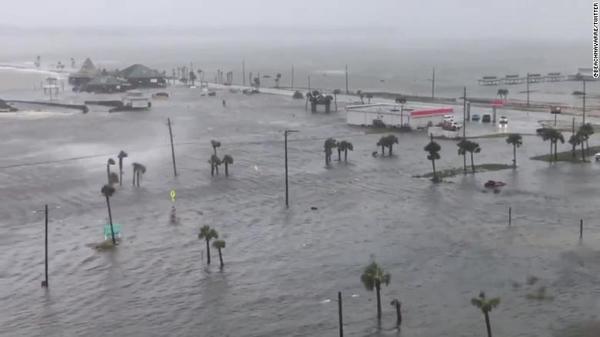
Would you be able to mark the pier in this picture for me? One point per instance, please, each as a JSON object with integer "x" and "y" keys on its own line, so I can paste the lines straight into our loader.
{"x": 516, "y": 79}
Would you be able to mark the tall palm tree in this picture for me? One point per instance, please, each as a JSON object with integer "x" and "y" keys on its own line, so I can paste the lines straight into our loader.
{"x": 335, "y": 93}
{"x": 369, "y": 96}
{"x": 462, "y": 151}
{"x": 344, "y": 146}
{"x": 219, "y": 244}
{"x": 329, "y": 144}
{"x": 121, "y": 155}
{"x": 587, "y": 130}
{"x": 207, "y": 234}
{"x": 486, "y": 306}
{"x": 215, "y": 144}
{"x": 556, "y": 136}
{"x": 214, "y": 162}
{"x": 473, "y": 147}
{"x": 544, "y": 133}
{"x": 372, "y": 278}
{"x": 109, "y": 162}
{"x": 138, "y": 170}
{"x": 108, "y": 191}
{"x": 391, "y": 140}
{"x": 398, "y": 305}
{"x": 277, "y": 78}
{"x": 383, "y": 143}
{"x": 516, "y": 141}
{"x": 433, "y": 149}
{"x": 227, "y": 160}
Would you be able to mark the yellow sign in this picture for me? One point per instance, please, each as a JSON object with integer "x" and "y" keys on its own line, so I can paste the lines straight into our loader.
{"x": 173, "y": 194}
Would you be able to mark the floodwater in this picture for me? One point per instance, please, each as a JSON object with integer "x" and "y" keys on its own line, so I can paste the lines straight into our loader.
{"x": 441, "y": 244}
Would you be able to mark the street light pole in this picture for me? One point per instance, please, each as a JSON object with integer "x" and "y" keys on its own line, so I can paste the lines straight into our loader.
{"x": 341, "y": 321}
{"x": 583, "y": 98}
{"x": 285, "y": 133}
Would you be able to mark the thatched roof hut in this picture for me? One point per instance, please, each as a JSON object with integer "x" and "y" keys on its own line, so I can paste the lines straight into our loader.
{"x": 87, "y": 72}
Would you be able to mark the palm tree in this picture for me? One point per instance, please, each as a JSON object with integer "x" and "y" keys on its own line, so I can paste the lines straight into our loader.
{"x": 398, "y": 305}
{"x": 192, "y": 77}
{"x": 138, "y": 170}
{"x": 556, "y": 136}
{"x": 372, "y": 278}
{"x": 207, "y": 234}
{"x": 121, "y": 155}
{"x": 391, "y": 140}
{"x": 219, "y": 244}
{"x": 344, "y": 146}
{"x": 215, "y": 144}
{"x": 335, "y": 93}
{"x": 227, "y": 160}
{"x": 329, "y": 144}
{"x": 369, "y": 96}
{"x": 486, "y": 306}
{"x": 277, "y": 78}
{"x": 433, "y": 149}
{"x": 214, "y": 162}
{"x": 575, "y": 140}
{"x": 383, "y": 143}
{"x": 109, "y": 162}
{"x": 545, "y": 134}
{"x": 462, "y": 151}
{"x": 108, "y": 191}
{"x": 360, "y": 94}
{"x": 516, "y": 141}
{"x": 587, "y": 130}
{"x": 473, "y": 147}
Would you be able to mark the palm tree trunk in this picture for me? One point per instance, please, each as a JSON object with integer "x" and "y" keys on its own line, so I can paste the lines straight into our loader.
{"x": 587, "y": 145}
{"x": 465, "y": 162}
{"x": 398, "y": 314}
{"x": 226, "y": 169}
{"x": 556, "y": 150}
{"x": 514, "y": 156}
{"x": 339, "y": 154}
{"x": 120, "y": 171}
{"x": 217, "y": 169}
{"x": 382, "y": 150}
{"x": 378, "y": 288}
{"x": 207, "y": 252}
{"x": 573, "y": 150}
{"x": 551, "y": 156}
{"x": 582, "y": 152}
{"x": 433, "y": 165}
{"x": 487, "y": 324}
{"x": 112, "y": 231}
{"x": 472, "y": 163}
{"x": 133, "y": 182}
{"x": 390, "y": 150}
{"x": 212, "y": 169}
{"x": 108, "y": 174}
{"x": 346, "y": 155}
{"x": 220, "y": 258}
{"x": 138, "y": 178}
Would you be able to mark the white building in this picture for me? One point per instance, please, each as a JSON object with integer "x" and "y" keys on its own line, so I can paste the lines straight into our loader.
{"x": 396, "y": 115}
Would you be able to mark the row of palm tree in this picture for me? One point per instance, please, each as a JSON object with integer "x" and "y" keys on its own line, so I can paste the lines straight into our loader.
{"x": 387, "y": 141}
{"x": 215, "y": 161}
{"x": 208, "y": 234}
{"x": 374, "y": 277}
{"x": 341, "y": 146}
{"x": 554, "y": 136}
{"x": 464, "y": 146}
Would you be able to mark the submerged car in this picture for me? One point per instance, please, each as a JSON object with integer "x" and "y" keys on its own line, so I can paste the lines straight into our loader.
{"x": 475, "y": 118}
{"x": 487, "y": 118}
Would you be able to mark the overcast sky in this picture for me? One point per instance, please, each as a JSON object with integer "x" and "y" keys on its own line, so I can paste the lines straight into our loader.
{"x": 545, "y": 19}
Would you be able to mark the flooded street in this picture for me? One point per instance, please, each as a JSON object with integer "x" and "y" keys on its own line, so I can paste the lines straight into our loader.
{"x": 442, "y": 244}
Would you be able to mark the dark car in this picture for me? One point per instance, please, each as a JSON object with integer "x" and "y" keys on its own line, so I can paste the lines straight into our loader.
{"x": 487, "y": 118}
{"x": 475, "y": 118}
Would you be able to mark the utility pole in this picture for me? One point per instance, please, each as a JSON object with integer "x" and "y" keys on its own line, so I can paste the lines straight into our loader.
{"x": 341, "y": 322}
{"x": 583, "y": 98}
{"x": 465, "y": 113}
{"x": 308, "y": 83}
{"x": 347, "y": 91}
{"x": 244, "y": 72}
{"x": 433, "y": 84}
{"x": 285, "y": 133}
{"x": 172, "y": 147}
{"x": 292, "y": 85}
{"x": 527, "y": 89}
{"x": 45, "y": 282}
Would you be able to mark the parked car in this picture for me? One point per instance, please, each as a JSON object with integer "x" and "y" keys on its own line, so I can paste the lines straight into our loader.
{"x": 487, "y": 118}
{"x": 503, "y": 121}
{"x": 475, "y": 118}
{"x": 597, "y": 156}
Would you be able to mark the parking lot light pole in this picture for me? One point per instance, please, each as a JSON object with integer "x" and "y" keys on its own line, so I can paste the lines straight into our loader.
{"x": 285, "y": 133}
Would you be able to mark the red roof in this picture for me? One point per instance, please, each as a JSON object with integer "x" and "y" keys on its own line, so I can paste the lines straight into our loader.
{"x": 431, "y": 112}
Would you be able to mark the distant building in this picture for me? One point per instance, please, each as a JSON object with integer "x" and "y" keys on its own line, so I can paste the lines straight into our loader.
{"x": 395, "y": 115}
{"x": 140, "y": 76}
{"x": 87, "y": 72}
{"x": 106, "y": 84}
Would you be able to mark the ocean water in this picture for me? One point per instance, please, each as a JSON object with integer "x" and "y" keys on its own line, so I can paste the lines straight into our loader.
{"x": 442, "y": 244}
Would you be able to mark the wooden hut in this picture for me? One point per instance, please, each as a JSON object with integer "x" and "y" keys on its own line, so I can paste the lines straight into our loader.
{"x": 87, "y": 72}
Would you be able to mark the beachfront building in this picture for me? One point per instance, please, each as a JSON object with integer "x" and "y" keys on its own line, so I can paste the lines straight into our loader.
{"x": 140, "y": 76}
{"x": 396, "y": 115}
{"x": 87, "y": 72}
{"x": 106, "y": 84}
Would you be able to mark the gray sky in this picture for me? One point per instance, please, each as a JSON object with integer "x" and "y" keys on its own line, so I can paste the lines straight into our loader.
{"x": 544, "y": 19}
